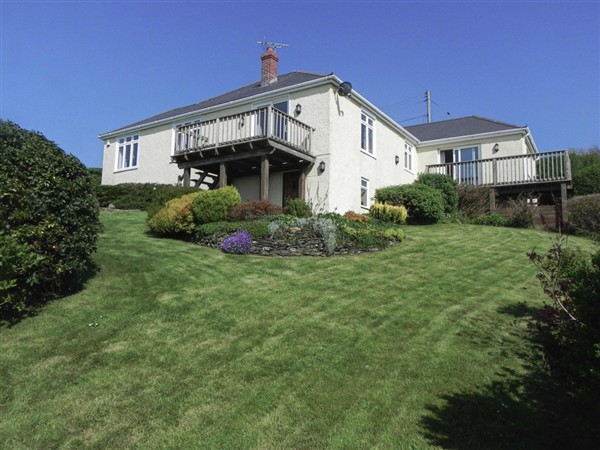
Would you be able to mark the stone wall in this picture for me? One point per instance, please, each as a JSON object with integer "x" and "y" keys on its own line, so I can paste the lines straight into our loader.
{"x": 292, "y": 242}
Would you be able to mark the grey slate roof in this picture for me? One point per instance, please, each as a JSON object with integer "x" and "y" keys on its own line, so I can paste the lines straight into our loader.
{"x": 283, "y": 81}
{"x": 463, "y": 126}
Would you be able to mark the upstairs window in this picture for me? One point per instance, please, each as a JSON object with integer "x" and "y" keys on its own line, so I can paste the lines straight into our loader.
{"x": 408, "y": 163}
{"x": 367, "y": 133}
{"x": 127, "y": 153}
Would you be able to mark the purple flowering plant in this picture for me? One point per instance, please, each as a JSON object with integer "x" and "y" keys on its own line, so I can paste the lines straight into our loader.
{"x": 240, "y": 243}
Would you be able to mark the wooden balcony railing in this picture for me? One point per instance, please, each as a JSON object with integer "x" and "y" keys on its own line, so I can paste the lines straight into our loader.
{"x": 255, "y": 125}
{"x": 509, "y": 170}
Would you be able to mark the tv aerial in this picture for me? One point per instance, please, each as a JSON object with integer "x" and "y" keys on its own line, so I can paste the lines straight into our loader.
{"x": 267, "y": 44}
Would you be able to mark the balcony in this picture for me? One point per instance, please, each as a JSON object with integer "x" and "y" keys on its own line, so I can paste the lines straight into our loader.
{"x": 531, "y": 169}
{"x": 244, "y": 136}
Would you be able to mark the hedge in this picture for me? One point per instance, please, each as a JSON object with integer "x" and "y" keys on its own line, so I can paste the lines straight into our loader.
{"x": 49, "y": 220}
{"x": 425, "y": 204}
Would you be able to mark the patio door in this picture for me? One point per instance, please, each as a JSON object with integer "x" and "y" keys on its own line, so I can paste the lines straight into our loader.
{"x": 279, "y": 127}
{"x": 467, "y": 172}
{"x": 291, "y": 186}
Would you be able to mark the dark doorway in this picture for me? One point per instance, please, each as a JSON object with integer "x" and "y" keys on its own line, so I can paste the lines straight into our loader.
{"x": 290, "y": 185}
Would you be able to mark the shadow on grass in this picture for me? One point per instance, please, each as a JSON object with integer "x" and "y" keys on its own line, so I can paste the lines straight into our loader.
{"x": 10, "y": 317}
{"x": 517, "y": 412}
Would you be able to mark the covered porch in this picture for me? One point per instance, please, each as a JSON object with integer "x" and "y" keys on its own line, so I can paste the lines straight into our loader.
{"x": 254, "y": 143}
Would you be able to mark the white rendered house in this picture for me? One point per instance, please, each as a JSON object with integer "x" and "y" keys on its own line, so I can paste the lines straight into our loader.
{"x": 308, "y": 135}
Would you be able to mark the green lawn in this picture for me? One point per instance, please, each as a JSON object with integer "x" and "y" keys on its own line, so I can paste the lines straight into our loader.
{"x": 423, "y": 345}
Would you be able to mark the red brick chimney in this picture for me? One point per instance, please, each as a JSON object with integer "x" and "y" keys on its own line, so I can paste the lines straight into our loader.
{"x": 268, "y": 67}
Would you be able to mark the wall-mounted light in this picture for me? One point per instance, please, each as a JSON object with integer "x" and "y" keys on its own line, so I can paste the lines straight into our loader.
{"x": 496, "y": 148}
{"x": 298, "y": 109}
{"x": 322, "y": 166}
{"x": 397, "y": 159}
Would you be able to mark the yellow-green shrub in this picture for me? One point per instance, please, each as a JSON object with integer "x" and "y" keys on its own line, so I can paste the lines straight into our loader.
{"x": 213, "y": 206}
{"x": 389, "y": 213}
{"x": 175, "y": 217}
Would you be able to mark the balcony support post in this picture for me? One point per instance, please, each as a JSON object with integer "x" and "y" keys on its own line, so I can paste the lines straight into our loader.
{"x": 264, "y": 178}
{"x": 222, "y": 175}
{"x": 187, "y": 172}
{"x": 302, "y": 184}
{"x": 492, "y": 200}
{"x": 563, "y": 205}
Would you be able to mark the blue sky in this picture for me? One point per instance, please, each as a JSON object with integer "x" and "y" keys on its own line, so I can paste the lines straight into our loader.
{"x": 72, "y": 70}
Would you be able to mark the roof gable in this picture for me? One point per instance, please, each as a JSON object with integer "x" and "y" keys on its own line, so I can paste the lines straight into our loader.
{"x": 463, "y": 126}
{"x": 283, "y": 81}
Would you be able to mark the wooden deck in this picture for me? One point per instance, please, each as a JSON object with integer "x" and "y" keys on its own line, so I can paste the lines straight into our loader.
{"x": 238, "y": 131}
{"x": 529, "y": 169}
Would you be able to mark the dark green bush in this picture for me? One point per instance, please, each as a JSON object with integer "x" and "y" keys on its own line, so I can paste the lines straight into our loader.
{"x": 424, "y": 204}
{"x": 473, "y": 201}
{"x": 587, "y": 180}
{"x": 95, "y": 174}
{"x": 493, "y": 220}
{"x": 213, "y": 205}
{"x": 584, "y": 214}
{"x": 145, "y": 196}
{"x": 297, "y": 207}
{"x": 49, "y": 219}
{"x": 569, "y": 328}
{"x": 253, "y": 210}
{"x": 446, "y": 185}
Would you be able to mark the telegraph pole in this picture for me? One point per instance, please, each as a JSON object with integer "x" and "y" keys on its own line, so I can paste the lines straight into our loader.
{"x": 428, "y": 101}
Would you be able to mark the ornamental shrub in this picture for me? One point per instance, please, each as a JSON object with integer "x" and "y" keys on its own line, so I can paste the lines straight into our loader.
{"x": 492, "y": 220}
{"x": 239, "y": 243}
{"x": 367, "y": 236}
{"x": 424, "y": 204}
{"x": 356, "y": 217}
{"x": 584, "y": 214}
{"x": 49, "y": 220}
{"x": 522, "y": 211}
{"x": 473, "y": 200}
{"x": 297, "y": 207}
{"x": 569, "y": 327}
{"x": 175, "y": 218}
{"x": 213, "y": 205}
{"x": 447, "y": 187}
{"x": 388, "y": 213}
{"x": 253, "y": 210}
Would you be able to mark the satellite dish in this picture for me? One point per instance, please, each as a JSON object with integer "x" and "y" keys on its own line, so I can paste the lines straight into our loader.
{"x": 345, "y": 89}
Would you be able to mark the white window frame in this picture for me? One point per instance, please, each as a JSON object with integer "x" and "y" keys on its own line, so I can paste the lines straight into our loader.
{"x": 408, "y": 157}
{"x": 367, "y": 123}
{"x": 364, "y": 188}
{"x": 127, "y": 156}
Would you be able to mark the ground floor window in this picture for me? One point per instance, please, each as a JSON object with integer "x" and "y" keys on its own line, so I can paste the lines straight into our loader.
{"x": 127, "y": 153}
{"x": 408, "y": 157}
{"x": 364, "y": 192}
